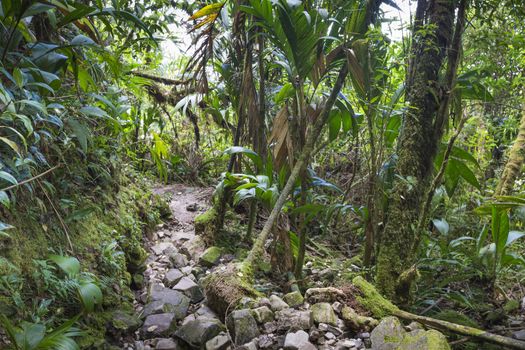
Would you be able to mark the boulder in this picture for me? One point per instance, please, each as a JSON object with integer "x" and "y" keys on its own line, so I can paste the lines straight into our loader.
{"x": 197, "y": 332}
{"x": 190, "y": 289}
{"x": 298, "y": 341}
{"x": 390, "y": 335}
{"x": 355, "y": 321}
{"x": 178, "y": 302}
{"x": 123, "y": 322}
{"x": 178, "y": 260}
{"x": 172, "y": 277}
{"x": 277, "y": 304}
{"x": 242, "y": 326}
{"x": 262, "y": 314}
{"x": 210, "y": 257}
{"x": 323, "y": 313}
{"x": 293, "y": 299}
{"x": 288, "y": 318}
{"x": 159, "y": 325}
{"x": 219, "y": 342}
{"x": 193, "y": 248}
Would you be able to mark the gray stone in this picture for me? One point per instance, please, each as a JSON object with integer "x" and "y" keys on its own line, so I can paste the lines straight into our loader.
{"x": 324, "y": 295}
{"x": 323, "y": 313}
{"x": 172, "y": 277}
{"x": 266, "y": 341}
{"x": 242, "y": 326}
{"x": 277, "y": 304}
{"x": 298, "y": 341}
{"x": 178, "y": 260}
{"x": 193, "y": 248}
{"x": 219, "y": 342}
{"x": 197, "y": 332}
{"x": 190, "y": 289}
{"x": 293, "y": 299}
{"x": 248, "y": 346}
{"x": 164, "y": 248}
{"x": 205, "y": 312}
{"x": 179, "y": 303}
{"x": 210, "y": 257}
{"x": 159, "y": 325}
{"x": 166, "y": 344}
{"x": 288, "y": 318}
{"x": 139, "y": 345}
{"x": 262, "y": 314}
{"x": 347, "y": 344}
{"x": 520, "y": 335}
{"x": 388, "y": 334}
{"x": 123, "y": 322}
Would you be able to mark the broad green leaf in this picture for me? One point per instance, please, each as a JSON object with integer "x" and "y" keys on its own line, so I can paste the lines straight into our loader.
{"x": 70, "y": 265}
{"x": 19, "y": 77}
{"x": 513, "y": 235}
{"x": 4, "y": 199}
{"x": 82, "y": 40}
{"x": 90, "y": 295}
{"x": 247, "y": 152}
{"x": 287, "y": 91}
{"x": 465, "y": 172}
{"x": 334, "y": 125}
{"x": 92, "y": 111}
{"x": 8, "y": 177}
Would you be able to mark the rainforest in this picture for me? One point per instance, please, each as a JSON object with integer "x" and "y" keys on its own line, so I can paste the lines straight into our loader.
{"x": 262, "y": 174}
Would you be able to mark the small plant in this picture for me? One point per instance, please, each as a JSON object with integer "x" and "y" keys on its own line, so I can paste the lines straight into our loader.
{"x": 35, "y": 336}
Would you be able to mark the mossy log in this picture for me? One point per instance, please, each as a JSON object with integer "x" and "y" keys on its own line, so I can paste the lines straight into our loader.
{"x": 374, "y": 302}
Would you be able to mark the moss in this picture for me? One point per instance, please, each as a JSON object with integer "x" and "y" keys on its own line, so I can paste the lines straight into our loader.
{"x": 371, "y": 300}
{"x": 211, "y": 256}
{"x": 205, "y": 225}
{"x": 511, "y": 306}
{"x": 456, "y": 317}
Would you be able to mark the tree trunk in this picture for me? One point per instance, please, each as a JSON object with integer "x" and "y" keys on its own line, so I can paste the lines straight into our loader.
{"x": 417, "y": 146}
{"x": 515, "y": 162}
{"x": 258, "y": 247}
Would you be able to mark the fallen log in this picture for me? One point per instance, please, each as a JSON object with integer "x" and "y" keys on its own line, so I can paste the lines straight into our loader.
{"x": 380, "y": 307}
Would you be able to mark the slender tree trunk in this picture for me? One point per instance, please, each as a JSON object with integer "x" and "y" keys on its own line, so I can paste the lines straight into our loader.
{"x": 515, "y": 162}
{"x": 258, "y": 246}
{"x": 417, "y": 146}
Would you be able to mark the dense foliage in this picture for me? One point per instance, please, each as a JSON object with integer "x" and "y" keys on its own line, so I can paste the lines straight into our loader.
{"x": 401, "y": 156}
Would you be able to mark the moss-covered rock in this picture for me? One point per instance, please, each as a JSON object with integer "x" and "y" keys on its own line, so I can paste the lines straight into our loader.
{"x": 205, "y": 225}
{"x": 294, "y": 299}
{"x": 211, "y": 256}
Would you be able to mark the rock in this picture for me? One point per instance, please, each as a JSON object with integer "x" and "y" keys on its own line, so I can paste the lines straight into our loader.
{"x": 520, "y": 335}
{"x": 210, "y": 257}
{"x": 193, "y": 248}
{"x": 348, "y": 344}
{"x": 178, "y": 260}
{"x": 197, "y": 332}
{"x": 166, "y": 344}
{"x": 324, "y": 327}
{"x": 266, "y": 341}
{"x": 190, "y": 289}
{"x": 355, "y": 321}
{"x": 262, "y": 314}
{"x": 179, "y": 303}
{"x": 323, "y": 313}
{"x": 329, "y": 335}
{"x": 172, "y": 277}
{"x": 205, "y": 312}
{"x": 163, "y": 248}
{"x": 242, "y": 326}
{"x": 123, "y": 322}
{"x": 288, "y": 318}
{"x": 159, "y": 325}
{"x": 293, "y": 299}
{"x": 277, "y": 304}
{"x": 219, "y": 342}
{"x": 139, "y": 345}
{"x": 248, "y": 346}
{"x": 337, "y": 306}
{"x": 324, "y": 295}
{"x": 270, "y": 327}
{"x": 298, "y": 341}
{"x": 390, "y": 335}
{"x": 192, "y": 207}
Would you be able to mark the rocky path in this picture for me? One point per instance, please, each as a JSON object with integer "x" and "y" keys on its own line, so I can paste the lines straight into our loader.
{"x": 173, "y": 312}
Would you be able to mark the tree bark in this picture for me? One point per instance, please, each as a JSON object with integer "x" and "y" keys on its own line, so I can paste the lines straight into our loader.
{"x": 515, "y": 162}
{"x": 417, "y": 146}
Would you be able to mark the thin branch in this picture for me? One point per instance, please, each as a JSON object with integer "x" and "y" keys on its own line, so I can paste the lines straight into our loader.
{"x": 31, "y": 179}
